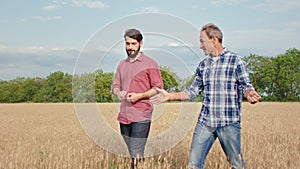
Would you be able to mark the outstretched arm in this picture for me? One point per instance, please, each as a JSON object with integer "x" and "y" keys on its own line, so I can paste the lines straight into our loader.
{"x": 163, "y": 96}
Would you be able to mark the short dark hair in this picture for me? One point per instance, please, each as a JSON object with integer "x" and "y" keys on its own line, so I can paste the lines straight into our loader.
{"x": 212, "y": 30}
{"x": 134, "y": 34}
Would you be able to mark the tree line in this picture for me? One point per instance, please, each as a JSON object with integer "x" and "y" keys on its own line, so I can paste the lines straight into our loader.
{"x": 275, "y": 78}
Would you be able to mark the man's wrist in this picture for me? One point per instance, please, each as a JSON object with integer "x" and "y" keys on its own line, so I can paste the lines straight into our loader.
{"x": 246, "y": 94}
{"x": 169, "y": 96}
{"x": 116, "y": 91}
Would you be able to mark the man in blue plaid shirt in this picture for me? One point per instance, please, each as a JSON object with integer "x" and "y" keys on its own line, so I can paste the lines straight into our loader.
{"x": 224, "y": 80}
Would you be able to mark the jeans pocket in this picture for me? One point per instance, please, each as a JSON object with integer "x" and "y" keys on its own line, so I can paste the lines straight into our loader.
{"x": 237, "y": 125}
{"x": 202, "y": 133}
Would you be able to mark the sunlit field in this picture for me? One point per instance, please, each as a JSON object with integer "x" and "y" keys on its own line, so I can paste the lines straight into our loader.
{"x": 49, "y": 136}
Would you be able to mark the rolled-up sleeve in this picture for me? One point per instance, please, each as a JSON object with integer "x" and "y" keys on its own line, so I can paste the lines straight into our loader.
{"x": 117, "y": 82}
{"x": 196, "y": 87}
{"x": 155, "y": 77}
{"x": 242, "y": 75}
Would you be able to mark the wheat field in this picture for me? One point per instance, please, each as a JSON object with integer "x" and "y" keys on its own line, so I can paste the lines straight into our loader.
{"x": 50, "y": 136}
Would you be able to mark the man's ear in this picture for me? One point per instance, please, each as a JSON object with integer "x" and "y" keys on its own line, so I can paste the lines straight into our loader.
{"x": 141, "y": 43}
{"x": 215, "y": 40}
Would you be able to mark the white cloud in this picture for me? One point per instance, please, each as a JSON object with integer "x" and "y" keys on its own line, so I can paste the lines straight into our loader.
{"x": 269, "y": 42}
{"x": 35, "y": 61}
{"x": 151, "y": 9}
{"x": 227, "y": 2}
{"x": 31, "y": 49}
{"x": 90, "y": 4}
{"x": 61, "y": 49}
{"x": 11, "y": 65}
{"x": 60, "y": 2}
{"x": 36, "y": 49}
{"x": 54, "y": 5}
{"x": 42, "y": 18}
{"x": 51, "y": 7}
{"x": 3, "y": 46}
{"x": 272, "y": 6}
{"x": 278, "y": 5}
{"x": 174, "y": 44}
{"x": 293, "y": 26}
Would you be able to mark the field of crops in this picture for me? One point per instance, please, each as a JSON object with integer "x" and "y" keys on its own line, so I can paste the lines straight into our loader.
{"x": 48, "y": 136}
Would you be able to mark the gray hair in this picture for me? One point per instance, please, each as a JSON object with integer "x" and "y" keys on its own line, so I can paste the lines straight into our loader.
{"x": 212, "y": 30}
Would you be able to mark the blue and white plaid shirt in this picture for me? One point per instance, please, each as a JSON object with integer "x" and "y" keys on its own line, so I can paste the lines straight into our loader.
{"x": 223, "y": 83}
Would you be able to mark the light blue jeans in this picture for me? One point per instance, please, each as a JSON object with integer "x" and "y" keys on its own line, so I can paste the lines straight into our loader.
{"x": 204, "y": 137}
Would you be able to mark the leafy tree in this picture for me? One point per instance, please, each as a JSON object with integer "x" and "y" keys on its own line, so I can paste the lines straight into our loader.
{"x": 4, "y": 92}
{"x": 103, "y": 82}
{"x": 276, "y": 79}
{"x": 84, "y": 88}
{"x": 39, "y": 83}
{"x": 287, "y": 81}
{"x": 170, "y": 79}
{"x": 30, "y": 88}
{"x": 188, "y": 81}
{"x": 57, "y": 88}
{"x": 19, "y": 90}
{"x": 262, "y": 74}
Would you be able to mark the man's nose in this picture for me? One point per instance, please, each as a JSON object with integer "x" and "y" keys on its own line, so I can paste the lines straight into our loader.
{"x": 130, "y": 46}
{"x": 201, "y": 46}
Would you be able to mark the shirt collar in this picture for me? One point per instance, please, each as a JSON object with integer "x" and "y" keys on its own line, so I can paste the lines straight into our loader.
{"x": 222, "y": 54}
{"x": 140, "y": 58}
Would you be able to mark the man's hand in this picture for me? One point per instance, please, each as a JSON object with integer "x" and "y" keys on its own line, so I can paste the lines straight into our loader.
{"x": 161, "y": 97}
{"x": 133, "y": 97}
{"x": 121, "y": 94}
{"x": 252, "y": 96}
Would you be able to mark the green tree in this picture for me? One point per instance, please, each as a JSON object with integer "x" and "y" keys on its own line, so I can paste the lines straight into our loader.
{"x": 277, "y": 78}
{"x": 4, "y": 92}
{"x": 287, "y": 81}
{"x": 39, "y": 87}
{"x": 262, "y": 75}
{"x": 84, "y": 88}
{"x": 57, "y": 88}
{"x": 188, "y": 81}
{"x": 30, "y": 88}
{"x": 19, "y": 90}
{"x": 103, "y": 82}
{"x": 170, "y": 79}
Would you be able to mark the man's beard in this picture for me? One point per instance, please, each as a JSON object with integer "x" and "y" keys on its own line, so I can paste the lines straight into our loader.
{"x": 134, "y": 54}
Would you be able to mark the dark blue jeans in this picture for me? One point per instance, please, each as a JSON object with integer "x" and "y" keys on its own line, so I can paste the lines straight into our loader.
{"x": 135, "y": 136}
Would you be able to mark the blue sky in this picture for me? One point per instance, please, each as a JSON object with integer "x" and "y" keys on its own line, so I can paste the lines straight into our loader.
{"x": 40, "y": 37}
